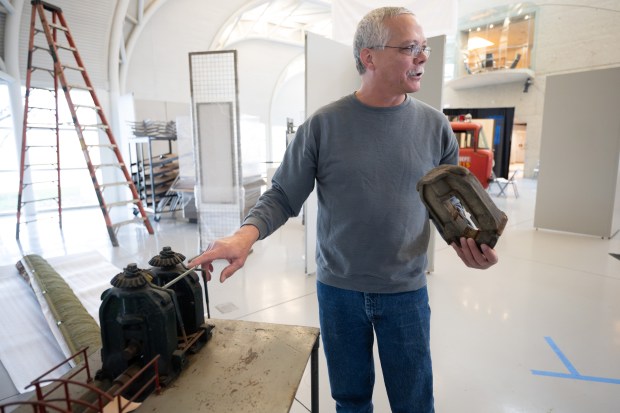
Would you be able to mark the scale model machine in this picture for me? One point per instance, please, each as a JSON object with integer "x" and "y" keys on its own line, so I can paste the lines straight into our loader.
{"x": 150, "y": 321}
{"x": 150, "y": 313}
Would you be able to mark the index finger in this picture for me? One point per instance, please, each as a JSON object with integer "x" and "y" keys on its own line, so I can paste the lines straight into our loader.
{"x": 202, "y": 259}
{"x": 199, "y": 260}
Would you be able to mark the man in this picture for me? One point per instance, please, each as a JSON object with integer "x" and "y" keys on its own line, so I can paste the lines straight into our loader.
{"x": 366, "y": 152}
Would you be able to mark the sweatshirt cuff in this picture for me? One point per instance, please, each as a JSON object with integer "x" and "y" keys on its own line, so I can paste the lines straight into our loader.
{"x": 258, "y": 223}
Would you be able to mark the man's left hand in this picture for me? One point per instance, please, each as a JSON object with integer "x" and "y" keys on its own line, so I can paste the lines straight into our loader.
{"x": 474, "y": 257}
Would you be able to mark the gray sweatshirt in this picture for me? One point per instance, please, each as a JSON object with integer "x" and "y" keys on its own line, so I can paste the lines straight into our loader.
{"x": 372, "y": 228}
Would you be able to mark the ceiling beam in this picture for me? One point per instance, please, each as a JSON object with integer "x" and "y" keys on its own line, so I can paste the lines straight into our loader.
{"x": 8, "y": 6}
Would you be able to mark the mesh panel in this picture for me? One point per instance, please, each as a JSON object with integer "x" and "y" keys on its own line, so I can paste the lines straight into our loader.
{"x": 219, "y": 197}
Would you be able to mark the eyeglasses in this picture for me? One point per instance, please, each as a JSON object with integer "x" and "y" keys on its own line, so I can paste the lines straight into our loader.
{"x": 413, "y": 50}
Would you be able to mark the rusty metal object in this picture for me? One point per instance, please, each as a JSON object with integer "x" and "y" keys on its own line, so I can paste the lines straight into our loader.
{"x": 460, "y": 207}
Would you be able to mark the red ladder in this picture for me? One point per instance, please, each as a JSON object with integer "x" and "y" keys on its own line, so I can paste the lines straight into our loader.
{"x": 51, "y": 27}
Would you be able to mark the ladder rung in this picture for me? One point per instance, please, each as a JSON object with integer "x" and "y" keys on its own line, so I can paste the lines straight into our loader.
{"x": 94, "y": 126}
{"x": 41, "y": 164}
{"x": 40, "y": 182}
{"x": 39, "y": 218}
{"x": 107, "y": 165}
{"x": 121, "y": 183}
{"x": 42, "y": 88}
{"x": 40, "y": 108}
{"x": 40, "y": 146}
{"x": 40, "y": 200}
{"x": 69, "y": 48}
{"x": 136, "y": 220}
{"x": 59, "y": 27}
{"x": 37, "y": 47}
{"x": 109, "y": 145}
{"x": 41, "y": 127}
{"x": 79, "y": 69}
{"x": 119, "y": 203}
{"x": 38, "y": 30}
{"x": 50, "y": 71}
{"x": 80, "y": 87}
{"x": 87, "y": 107}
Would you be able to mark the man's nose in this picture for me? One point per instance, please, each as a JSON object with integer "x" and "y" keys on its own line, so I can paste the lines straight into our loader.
{"x": 420, "y": 58}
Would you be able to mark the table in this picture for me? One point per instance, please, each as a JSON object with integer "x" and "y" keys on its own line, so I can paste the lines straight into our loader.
{"x": 245, "y": 367}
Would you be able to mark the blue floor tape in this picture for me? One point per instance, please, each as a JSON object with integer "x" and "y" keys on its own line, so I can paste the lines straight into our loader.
{"x": 574, "y": 374}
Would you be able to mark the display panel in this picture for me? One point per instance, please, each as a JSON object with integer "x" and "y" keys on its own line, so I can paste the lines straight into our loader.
{"x": 215, "y": 118}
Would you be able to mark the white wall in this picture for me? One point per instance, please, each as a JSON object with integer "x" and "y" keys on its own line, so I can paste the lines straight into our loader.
{"x": 288, "y": 102}
{"x": 82, "y": 19}
{"x": 159, "y": 65}
{"x": 583, "y": 152}
{"x": 260, "y": 65}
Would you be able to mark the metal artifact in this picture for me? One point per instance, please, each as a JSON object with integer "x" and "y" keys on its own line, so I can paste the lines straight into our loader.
{"x": 460, "y": 207}
{"x": 141, "y": 320}
{"x": 138, "y": 322}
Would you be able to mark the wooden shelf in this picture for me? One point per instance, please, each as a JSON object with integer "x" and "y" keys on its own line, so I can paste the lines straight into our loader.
{"x": 491, "y": 77}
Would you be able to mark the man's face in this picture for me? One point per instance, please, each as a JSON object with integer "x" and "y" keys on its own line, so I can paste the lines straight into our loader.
{"x": 397, "y": 71}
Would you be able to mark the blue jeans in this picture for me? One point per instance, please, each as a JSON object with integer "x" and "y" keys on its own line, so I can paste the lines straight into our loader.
{"x": 401, "y": 323}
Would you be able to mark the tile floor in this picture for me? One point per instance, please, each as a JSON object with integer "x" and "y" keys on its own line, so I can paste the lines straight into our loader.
{"x": 539, "y": 332}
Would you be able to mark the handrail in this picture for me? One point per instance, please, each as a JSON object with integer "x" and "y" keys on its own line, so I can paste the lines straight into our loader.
{"x": 84, "y": 355}
{"x": 155, "y": 378}
{"x": 103, "y": 398}
{"x": 36, "y": 405}
{"x": 101, "y": 394}
{"x": 36, "y": 382}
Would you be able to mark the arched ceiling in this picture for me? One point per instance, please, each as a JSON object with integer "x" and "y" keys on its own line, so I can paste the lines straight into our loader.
{"x": 112, "y": 38}
{"x": 135, "y": 16}
{"x": 277, "y": 20}
{"x": 283, "y": 21}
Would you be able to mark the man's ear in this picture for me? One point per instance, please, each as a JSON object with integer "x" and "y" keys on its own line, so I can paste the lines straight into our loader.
{"x": 366, "y": 57}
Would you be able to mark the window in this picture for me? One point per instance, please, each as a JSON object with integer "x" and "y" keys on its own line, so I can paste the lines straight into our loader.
{"x": 504, "y": 41}
{"x": 8, "y": 154}
{"x": 76, "y": 184}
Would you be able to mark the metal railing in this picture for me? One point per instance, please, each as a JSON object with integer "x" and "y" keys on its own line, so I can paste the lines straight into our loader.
{"x": 49, "y": 397}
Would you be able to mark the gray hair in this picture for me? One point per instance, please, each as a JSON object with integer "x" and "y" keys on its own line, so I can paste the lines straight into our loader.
{"x": 372, "y": 31}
